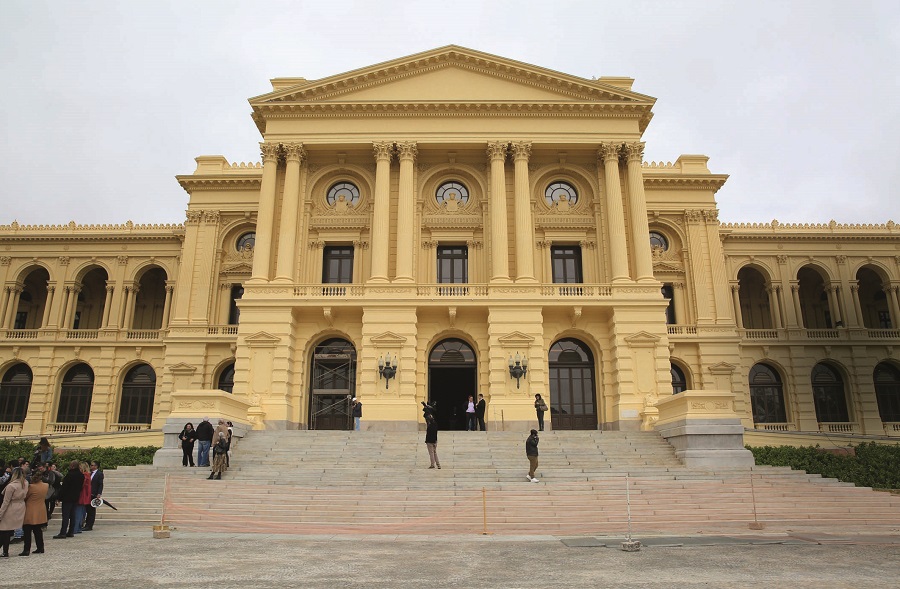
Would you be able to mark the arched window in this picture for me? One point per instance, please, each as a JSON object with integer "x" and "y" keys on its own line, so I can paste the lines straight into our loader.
{"x": 766, "y": 395}
{"x": 452, "y": 191}
{"x": 572, "y": 398}
{"x": 343, "y": 191}
{"x": 15, "y": 390}
{"x": 679, "y": 382}
{"x": 138, "y": 390}
{"x": 226, "y": 379}
{"x": 887, "y": 389}
{"x": 561, "y": 191}
{"x": 75, "y": 395}
{"x": 247, "y": 240}
{"x": 452, "y": 351}
{"x": 828, "y": 394}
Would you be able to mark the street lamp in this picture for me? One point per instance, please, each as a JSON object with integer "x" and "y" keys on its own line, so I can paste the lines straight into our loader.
{"x": 518, "y": 367}
{"x": 387, "y": 368}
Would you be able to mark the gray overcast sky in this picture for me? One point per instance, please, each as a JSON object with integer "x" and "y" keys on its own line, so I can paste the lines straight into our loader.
{"x": 103, "y": 102}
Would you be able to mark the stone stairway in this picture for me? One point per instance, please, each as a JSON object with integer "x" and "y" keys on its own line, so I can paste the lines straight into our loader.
{"x": 321, "y": 482}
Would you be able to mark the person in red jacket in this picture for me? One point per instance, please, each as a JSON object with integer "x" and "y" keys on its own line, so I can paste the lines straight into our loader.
{"x": 84, "y": 498}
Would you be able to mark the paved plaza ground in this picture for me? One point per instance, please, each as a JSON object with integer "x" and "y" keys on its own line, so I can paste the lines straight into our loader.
{"x": 118, "y": 555}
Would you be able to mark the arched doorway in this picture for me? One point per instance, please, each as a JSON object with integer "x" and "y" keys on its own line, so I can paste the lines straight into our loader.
{"x": 679, "y": 380}
{"x": 15, "y": 390}
{"x": 754, "y": 299}
{"x": 767, "y": 395}
{"x": 887, "y": 389}
{"x": 829, "y": 395}
{"x": 225, "y": 382}
{"x": 333, "y": 384}
{"x": 75, "y": 395}
{"x": 452, "y": 377}
{"x": 138, "y": 390}
{"x": 573, "y": 403}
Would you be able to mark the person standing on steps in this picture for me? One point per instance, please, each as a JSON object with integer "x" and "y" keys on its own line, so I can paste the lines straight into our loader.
{"x": 480, "y": 409}
{"x": 540, "y": 407}
{"x": 187, "y": 436}
{"x": 356, "y": 411}
{"x": 431, "y": 432}
{"x": 220, "y": 448}
{"x": 12, "y": 510}
{"x": 470, "y": 414}
{"x": 531, "y": 451}
{"x": 96, "y": 492}
{"x": 68, "y": 495}
{"x": 204, "y": 440}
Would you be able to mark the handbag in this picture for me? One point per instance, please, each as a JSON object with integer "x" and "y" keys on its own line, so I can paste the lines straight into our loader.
{"x": 543, "y": 406}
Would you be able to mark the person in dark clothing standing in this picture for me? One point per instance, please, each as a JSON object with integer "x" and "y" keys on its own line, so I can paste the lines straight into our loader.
{"x": 68, "y": 495}
{"x": 357, "y": 413}
{"x": 540, "y": 406}
{"x": 204, "y": 441}
{"x": 96, "y": 491}
{"x": 480, "y": 409}
{"x": 431, "y": 432}
{"x": 187, "y": 436}
{"x": 531, "y": 451}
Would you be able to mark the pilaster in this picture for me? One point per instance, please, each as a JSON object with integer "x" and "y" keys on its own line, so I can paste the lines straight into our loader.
{"x": 406, "y": 212}
{"x": 499, "y": 245}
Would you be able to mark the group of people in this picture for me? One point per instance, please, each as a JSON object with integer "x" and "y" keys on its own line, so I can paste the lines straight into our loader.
{"x": 215, "y": 441}
{"x": 32, "y": 489}
{"x": 475, "y": 413}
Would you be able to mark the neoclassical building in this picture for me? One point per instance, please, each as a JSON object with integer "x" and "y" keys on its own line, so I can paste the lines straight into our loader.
{"x": 438, "y": 226}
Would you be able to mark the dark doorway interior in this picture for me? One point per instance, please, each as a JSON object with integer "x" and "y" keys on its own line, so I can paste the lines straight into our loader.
{"x": 450, "y": 387}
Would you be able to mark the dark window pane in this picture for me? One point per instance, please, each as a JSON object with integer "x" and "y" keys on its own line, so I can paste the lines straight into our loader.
{"x": 566, "y": 262}
{"x": 337, "y": 265}
{"x": 453, "y": 264}
{"x": 15, "y": 390}
{"x": 75, "y": 395}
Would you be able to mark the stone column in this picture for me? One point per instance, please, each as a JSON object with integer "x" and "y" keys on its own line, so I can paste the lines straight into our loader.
{"x": 774, "y": 307}
{"x": 524, "y": 224}
{"x": 45, "y": 320}
{"x": 406, "y": 203}
{"x": 130, "y": 296}
{"x": 381, "y": 218}
{"x": 265, "y": 216}
{"x": 72, "y": 306}
{"x": 857, "y": 307}
{"x": 894, "y": 295}
{"x": 834, "y": 305}
{"x": 681, "y": 315}
{"x": 15, "y": 293}
{"x": 640, "y": 228}
{"x": 107, "y": 305}
{"x": 615, "y": 213}
{"x": 167, "y": 306}
{"x": 499, "y": 247}
{"x": 798, "y": 309}
{"x": 736, "y": 298}
{"x": 224, "y": 303}
{"x": 286, "y": 259}
{"x": 63, "y": 307}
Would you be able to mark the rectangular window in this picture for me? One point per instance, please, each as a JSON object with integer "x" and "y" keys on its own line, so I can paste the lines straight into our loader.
{"x": 21, "y": 319}
{"x": 566, "y": 261}
{"x": 337, "y": 265}
{"x": 453, "y": 264}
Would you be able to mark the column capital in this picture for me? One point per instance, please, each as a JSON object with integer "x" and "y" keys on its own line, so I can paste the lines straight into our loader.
{"x": 294, "y": 152}
{"x": 609, "y": 151}
{"x": 496, "y": 150}
{"x": 269, "y": 151}
{"x": 521, "y": 150}
{"x": 383, "y": 150}
{"x": 635, "y": 151}
{"x": 407, "y": 150}
{"x": 735, "y": 288}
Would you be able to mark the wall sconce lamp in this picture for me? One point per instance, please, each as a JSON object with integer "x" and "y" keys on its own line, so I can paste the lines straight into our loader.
{"x": 387, "y": 368}
{"x": 518, "y": 367}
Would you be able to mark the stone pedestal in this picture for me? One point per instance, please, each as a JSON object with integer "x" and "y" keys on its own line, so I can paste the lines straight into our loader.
{"x": 704, "y": 429}
{"x": 192, "y": 406}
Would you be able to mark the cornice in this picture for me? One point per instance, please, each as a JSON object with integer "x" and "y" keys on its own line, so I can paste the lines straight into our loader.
{"x": 565, "y": 221}
{"x": 712, "y": 182}
{"x": 452, "y": 109}
{"x": 192, "y": 183}
{"x": 73, "y": 232}
{"x": 832, "y": 231}
{"x": 777, "y": 226}
{"x": 339, "y": 222}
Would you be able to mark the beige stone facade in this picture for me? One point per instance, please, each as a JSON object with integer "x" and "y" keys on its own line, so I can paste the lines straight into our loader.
{"x": 446, "y": 213}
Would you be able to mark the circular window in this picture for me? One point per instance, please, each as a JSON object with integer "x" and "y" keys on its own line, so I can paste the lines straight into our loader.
{"x": 450, "y": 191}
{"x": 245, "y": 241}
{"x": 343, "y": 191}
{"x": 561, "y": 191}
{"x": 658, "y": 241}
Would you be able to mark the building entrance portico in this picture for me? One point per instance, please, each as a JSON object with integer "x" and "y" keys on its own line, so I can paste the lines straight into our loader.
{"x": 452, "y": 377}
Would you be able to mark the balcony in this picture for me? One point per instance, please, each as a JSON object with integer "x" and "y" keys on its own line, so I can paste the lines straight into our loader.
{"x": 67, "y": 428}
{"x": 837, "y": 427}
{"x": 682, "y": 330}
{"x": 773, "y": 427}
{"x": 11, "y": 428}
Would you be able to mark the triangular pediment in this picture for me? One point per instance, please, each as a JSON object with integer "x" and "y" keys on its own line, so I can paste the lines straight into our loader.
{"x": 515, "y": 338}
{"x": 261, "y": 338}
{"x": 642, "y": 338}
{"x": 452, "y": 74}
{"x": 387, "y": 338}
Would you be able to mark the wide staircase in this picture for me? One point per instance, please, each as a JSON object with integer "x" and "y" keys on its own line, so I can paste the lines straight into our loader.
{"x": 326, "y": 482}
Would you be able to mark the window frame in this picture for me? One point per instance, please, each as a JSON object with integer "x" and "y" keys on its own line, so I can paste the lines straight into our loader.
{"x": 560, "y": 257}
{"x": 342, "y": 255}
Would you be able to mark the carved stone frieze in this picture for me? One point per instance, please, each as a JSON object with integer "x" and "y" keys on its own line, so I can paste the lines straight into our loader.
{"x": 782, "y": 259}
{"x": 5, "y": 260}
{"x": 192, "y": 217}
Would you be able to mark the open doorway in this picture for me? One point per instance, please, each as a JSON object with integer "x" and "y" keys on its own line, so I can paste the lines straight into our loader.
{"x": 452, "y": 377}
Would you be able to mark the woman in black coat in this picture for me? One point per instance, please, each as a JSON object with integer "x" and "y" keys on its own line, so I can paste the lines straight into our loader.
{"x": 69, "y": 495}
{"x": 187, "y": 436}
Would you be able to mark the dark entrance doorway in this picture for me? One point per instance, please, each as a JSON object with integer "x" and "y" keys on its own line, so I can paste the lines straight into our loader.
{"x": 333, "y": 385}
{"x": 573, "y": 402}
{"x": 452, "y": 377}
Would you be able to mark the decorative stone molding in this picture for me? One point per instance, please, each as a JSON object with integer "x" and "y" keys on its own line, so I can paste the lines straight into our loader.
{"x": 781, "y": 259}
{"x": 841, "y": 259}
{"x": 475, "y": 244}
{"x": 407, "y": 150}
{"x": 635, "y": 152}
{"x": 363, "y": 245}
{"x": 429, "y": 245}
{"x": 609, "y": 151}
{"x": 211, "y": 217}
{"x": 64, "y": 260}
{"x": 193, "y": 217}
{"x": 383, "y": 150}
{"x": 521, "y": 150}
{"x": 496, "y": 150}
{"x": 5, "y": 260}
{"x": 269, "y": 152}
{"x": 294, "y": 152}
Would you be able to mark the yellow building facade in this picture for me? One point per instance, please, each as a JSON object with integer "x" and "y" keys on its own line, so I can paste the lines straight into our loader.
{"x": 442, "y": 225}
